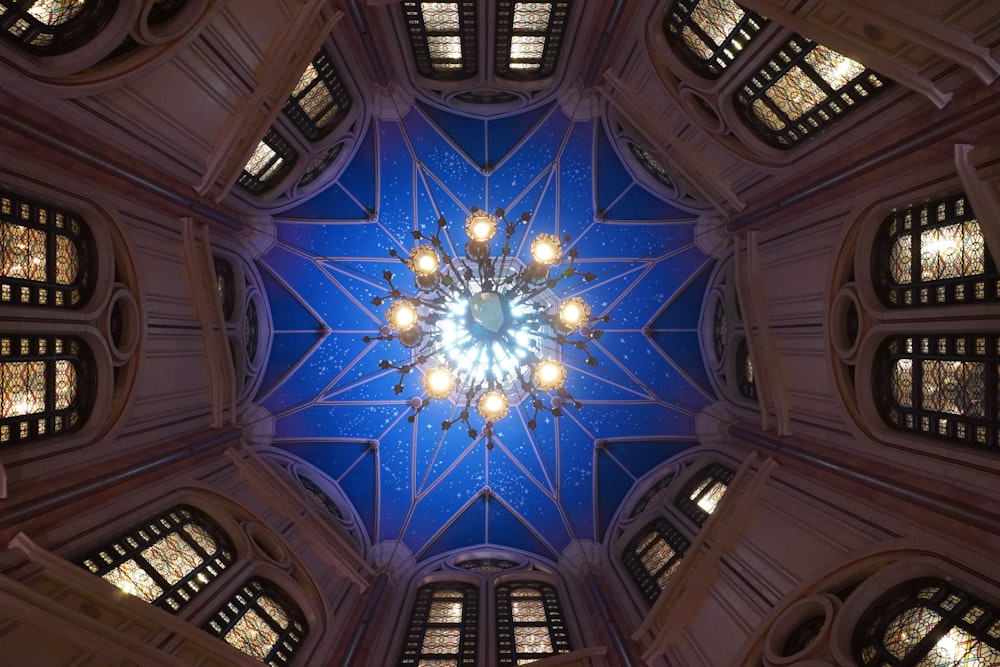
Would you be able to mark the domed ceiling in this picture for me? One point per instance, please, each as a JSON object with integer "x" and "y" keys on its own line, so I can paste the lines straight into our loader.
{"x": 432, "y": 490}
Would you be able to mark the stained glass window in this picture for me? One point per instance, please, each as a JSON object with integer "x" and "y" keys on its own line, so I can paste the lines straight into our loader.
{"x": 702, "y": 495}
{"x": 710, "y": 34}
{"x": 443, "y": 626}
{"x": 250, "y": 331}
{"x": 745, "y": 382}
{"x": 261, "y": 621}
{"x": 934, "y": 254}
{"x": 443, "y": 37}
{"x": 225, "y": 285}
{"x": 320, "y": 496}
{"x": 803, "y": 88}
{"x": 528, "y": 38}
{"x": 928, "y": 623}
{"x": 653, "y": 557}
{"x": 651, "y": 164}
{"x": 530, "y": 623}
{"x": 49, "y": 27}
{"x": 320, "y": 164}
{"x": 165, "y": 561}
{"x": 653, "y": 495}
{"x": 720, "y": 329}
{"x": 271, "y": 160}
{"x": 46, "y": 386}
{"x": 804, "y": 634}
{"x": 487, "y": 565}
{"x": 46, "y": 255}
{"x": 487, "y": 97}
{"x": 942, "y": 386}
{"x": 320, "y": 99}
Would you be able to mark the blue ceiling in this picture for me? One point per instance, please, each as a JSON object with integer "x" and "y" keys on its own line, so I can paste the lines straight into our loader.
{"x": 434, "y": 491}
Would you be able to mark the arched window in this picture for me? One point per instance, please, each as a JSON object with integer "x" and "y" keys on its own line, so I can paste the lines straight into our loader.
{"x": 47, "y": 255}
{"x": 744, "y": 371}
{"x": 320, "y": 497}
{"x": 443, "y": 37}
{"x": 934, "y": 254}
{"x": 710, "y": 34}
{"x": 801, "y": 89}
{"x": 653, "y": 556}
{"x": 225, "y": 284}
{"x": 720, "y": 329}
{"x": 50, "y": 27}
{"x": 528, "y": 38}
{"x": 320, "y": 99}
{"x": 261, "y": 621}
{"x": 941, "y": 386}
{"x": 928, "y": 623}
{"x": 651, "y": 165}
{"x": 530, "y": 623}
{"x": 271, "y": 160}
{"x": 702, "y": 495}
{"x": 167, "y": 560}
{"x": 46, "y": 386}
{"x": 653, "y": 494}
{"x": 443, "y": 626}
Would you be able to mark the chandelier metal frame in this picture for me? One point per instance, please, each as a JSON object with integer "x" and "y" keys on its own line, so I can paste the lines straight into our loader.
{"x": 507, "y": 316}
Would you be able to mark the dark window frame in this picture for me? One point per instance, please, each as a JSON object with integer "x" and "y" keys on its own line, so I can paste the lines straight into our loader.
{"x": 289, "y": 640}
{"x": 414, "y": 20}
{"x": 20, "y": 28}
{"x": 413, "y": 652}
{"x": 130, "y": 545}
{"x": 646, "y": 581}
{"x": 261, "y": 184}
{"x": 340, "y": 97}
{"x": 745, "y": 383}
{"x": 553, "y": 34}
{"x": 714, "y": 472}
{"x": 681, "y": 16}
{"x": 555, "y": 622}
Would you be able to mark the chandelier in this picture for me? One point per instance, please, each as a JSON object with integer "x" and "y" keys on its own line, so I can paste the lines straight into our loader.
{"x": 487, "y": 331}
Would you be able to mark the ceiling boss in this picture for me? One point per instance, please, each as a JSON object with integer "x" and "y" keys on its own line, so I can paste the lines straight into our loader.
{"x": 487, "y": 330}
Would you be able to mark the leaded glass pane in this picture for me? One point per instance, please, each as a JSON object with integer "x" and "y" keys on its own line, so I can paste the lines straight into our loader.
{"x": 653, "y": 495}
{"x": 487, "y": 565}
{"x": 705, "y": 492}
{"x": 53, "y": 26}
{"x": 442, "y": 640}
{"x": 745, "y": 382}
{"x": 275, "y": 611}
{"x": 935, "y": 254}
{"x": 710, "y": 34}
{"x": 710, "y": 500}
{"x": 528, "y": 38}
{"x": 271, "y": 160}
{"x": 532, "y": 640}
{"x": 529, "y": 623}
{"x": 653, "y": 555}
{"x": 320, "y": 497}
{"x": 320, "y": 100}
{"x": 165, "y": 561}
{"x": 444, "y": 611}
{"x": 23, "y": 388}
{"x": 651, "y": 164}
{"x": 443, "y": 626}
{"x": 443, "y": 37}
{"x": 250, "y": 331}
{"x": 54, "y": 12}
{"x": 941, "y": 386}
{"x": 801, "y": 89}
{"x": 921, "y": 625}
{"x": 252, "y": 635}
{"x": 320, "y": 164}
{"x": 528, "y": 611}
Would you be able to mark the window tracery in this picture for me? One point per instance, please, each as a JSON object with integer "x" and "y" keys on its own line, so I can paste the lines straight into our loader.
{"x": 530, "y": 623}
{"x": 720, "y": 329}
{"x": 443, "y": 627}
{"x": 935, "y": 254}
{"x": 443, "y": 38}
{"x": 271, "y": 160}
{"x": 928, "y": 623}
{"x": 320, "y": 497}
{"x": 942, "y": 386}
{"x": 320, "y": 100}
{"x": 45, "y": 386}
{"x": 653, "y": 494}
{"x": 51, "y": 27}
{"x": 529, "y": 37}
{"x": 801, "y": 89}
{"x": 167, "y": 560}
{"x": 46, "y": 255}
{"x": 710, "y": 34}
{"x": 261, "y": 621}
{"x": 702, "y": 495}
{"x": 320, "y": 164}
{"x": 653, "y": 556}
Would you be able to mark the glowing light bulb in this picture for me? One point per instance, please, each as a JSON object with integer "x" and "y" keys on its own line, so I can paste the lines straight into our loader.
{"x": 481, "y": 226}
{"x": 492, "y": 406}
{"x": 424, "y": 260}
{"x": 549, "y": 375}
{"x": 574, "y": 312}
{"x": 402, "y": 315}
{"x": 546, "y": 249}
{"x": 439, "y": 382}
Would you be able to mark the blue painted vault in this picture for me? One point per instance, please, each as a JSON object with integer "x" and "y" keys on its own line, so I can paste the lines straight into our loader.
{"x": 433, "y": 491}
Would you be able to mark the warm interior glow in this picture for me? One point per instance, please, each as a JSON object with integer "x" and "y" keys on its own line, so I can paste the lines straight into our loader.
{"x": 546, "y": 249}
{"x": 481, "y": 226}
{"x": 439, "y": 382}
{"x": 574, "y": 312}
{"x": 492, "y": 406}
{"x": 549, "y": 375}
{"x": 402, "y": 315}
{"x": 424, "y": 260}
